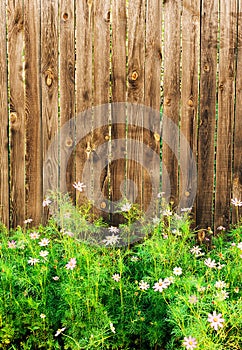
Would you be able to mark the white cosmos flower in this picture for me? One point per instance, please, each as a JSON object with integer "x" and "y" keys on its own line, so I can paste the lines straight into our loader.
{"x": 111, "y": 240}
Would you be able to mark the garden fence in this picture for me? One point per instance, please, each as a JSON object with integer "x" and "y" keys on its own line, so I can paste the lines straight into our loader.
{"x": 104, "y": 88}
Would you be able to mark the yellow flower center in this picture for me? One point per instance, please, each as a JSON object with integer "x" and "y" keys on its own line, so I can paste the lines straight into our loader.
{"x": 215, "y": 319}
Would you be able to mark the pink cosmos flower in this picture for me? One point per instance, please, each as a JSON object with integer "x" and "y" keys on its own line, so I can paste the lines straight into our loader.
{"x": 12, "y": 244}
{"x": 190, "y": 343}
{"x": 71, "y": 264}
{"x": 215, "y": 320}
{"x": 160, "y": 285}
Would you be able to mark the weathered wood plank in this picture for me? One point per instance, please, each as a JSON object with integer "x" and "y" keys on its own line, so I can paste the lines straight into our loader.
{"x": 206, "y": 131}
{"x": 33, "y": 157}
{"x": 4, "y": 165}
{"x": 49, "y": 75}
{"x": 237, "y": 177}
{"x": 151, "y": 123}
{"x": 189, "y": 103}
{"x": 226, "y": 95}
{"x": 84, "y": 95}
{"x": 118, "y": 129}
{"x": 67, "y": 94}
{"x": 136, "y": 60}
{"x": 101, "y": 60}
{"x": 17, "y": 122}
{"x": 170, "y": 137}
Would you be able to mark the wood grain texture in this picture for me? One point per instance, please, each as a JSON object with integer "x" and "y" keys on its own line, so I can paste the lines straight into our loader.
{"x": 101, "y": 61}
{"x": 49, "y": 78}
{"x": 17, "y": 122}
{"x": 206, "y": 131}
{"x": 67, "y": 94}
{"x": 151, "y": 122}
{"x": 4, "y": 164}
{"x": 237, "y": 176}
{"x": 136, "y": 60}
{"x": 118, "y": 128}
{"x": 189, "y": 102}
{"x": 33, "y": 157}
{"x": 84, "y": 95}
{"x": 226, "y": 94}
{"x": 170, "y": 136}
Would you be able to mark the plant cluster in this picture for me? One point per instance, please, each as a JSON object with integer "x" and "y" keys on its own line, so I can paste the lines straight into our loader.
{"x": 75, "y": 285}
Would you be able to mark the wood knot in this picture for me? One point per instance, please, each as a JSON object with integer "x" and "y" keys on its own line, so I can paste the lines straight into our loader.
{"x": 49, "y": 78}
{"x": 103, "y": 205}
{"x": 69, "y": 142}
{"x": 13, "y": 117}
{"x": 167, "y": 101}
{"x": 107, "y": 17}
{"x": 65, "y": 16}
{"x": 190, "y": 103}
{"x": 157, "y": 136}
{"x": 134, "y": 75}
{"x": 187, "y": 193}
{"x": 106, "y": 137}
{"x": 206, "y": 68}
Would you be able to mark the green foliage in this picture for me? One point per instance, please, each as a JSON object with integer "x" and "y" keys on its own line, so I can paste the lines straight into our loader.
{"x": 90, "y": 287}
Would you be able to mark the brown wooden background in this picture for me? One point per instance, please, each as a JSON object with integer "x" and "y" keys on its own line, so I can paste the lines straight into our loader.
{"x": 59, "y": 58}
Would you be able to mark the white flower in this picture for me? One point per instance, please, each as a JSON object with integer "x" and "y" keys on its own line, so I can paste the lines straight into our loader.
{"x": 79, "y": 186}
{"x": 134, "y": 258}
{"x": 166, "y": 212}
{"x": 239, "y": 245}
{"x": 169, "y": 280}
{"x": 210, "y": 263}
{"x": 156, "y": 220}
{"x": 34, "y": 235}
{"x": 111, "y": 240}
{"x": 43, "y": 253}
{"x": 201, "y": 289}
{"x": 193, "y": 299}
{"x": 42, "y": 316}
{"x": 220, "y": 284}
{"x": 126, "y": 207}
{"x": 33, "y": 261}
{"x": 184, "y": 210}
{"x": 112, "y": 327}
{"x": 221, "y": 228}
{"x": 59, "y": 331}
{"x": 46, "y": 202}
{"x": 71, "y": 264}
{"x": 55, "y": 278}
{"x": 116, "y": 277}
{"x": 222, "y": 295}
{"x": 160, "y": 194}
{"x": 113, "y": 229}
{"x": 177, "y": 271}
{"x": 196, "y": 250}
{"x": 143, "y": 285}
{"x": 44, "y": 242}
{"x": 215, "y": 320}
{"x": 236, "y": 202}
{"x": 28, "y": 221}
{"x": 160, "y": 285}
{"x": 190, "y": 343}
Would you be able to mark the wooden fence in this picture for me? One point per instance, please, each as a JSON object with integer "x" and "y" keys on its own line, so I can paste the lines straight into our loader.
{"x": 58, "y": 59}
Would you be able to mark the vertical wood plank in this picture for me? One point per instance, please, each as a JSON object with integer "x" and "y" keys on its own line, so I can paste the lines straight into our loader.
{"x": 17, "y": 122}
{"x": 84, "y": 93}
{"x": 118, "y": 128}
{"x": 226, "y": 94}
{"x": 67, "y": 94}
{"x": 4, "y": 165}
{"x": 237, "y": 177}
{"x": 136, "y": 59}
{"x": 170, "y": 137}
{"x": 152, "y": 100}
{"x": 208, "y": 66}
{"x": 49, "y": 75}
{"x": 33, "y": 158}
{"x": 189, "y": 102}
{"x": 101, "y": 96}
